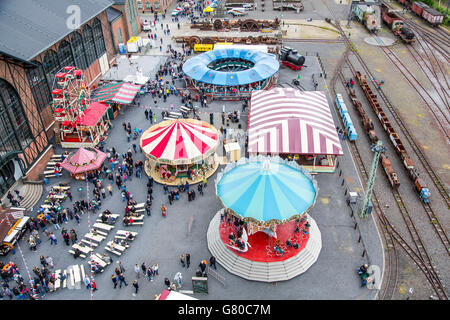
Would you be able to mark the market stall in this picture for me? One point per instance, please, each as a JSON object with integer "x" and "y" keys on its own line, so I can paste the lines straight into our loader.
{"x": 83, "y": 161}
{"x": 116, "y": 94}
{"x": 181, "y": 149}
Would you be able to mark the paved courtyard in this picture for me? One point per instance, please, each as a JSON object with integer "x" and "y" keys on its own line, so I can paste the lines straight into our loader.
{"x": 162, "y": 240}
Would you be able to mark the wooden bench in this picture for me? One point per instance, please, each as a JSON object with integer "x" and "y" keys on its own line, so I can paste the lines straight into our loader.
{"x": 185, "y": 109}
{"x": 71, "y": 277}
{"x": 113, "y": 251}
{"x": 175, "y": 114}
{"x": 56, "y": 156}
{"x": 138, "y": 205}
{"x": 103, "y": 226}
{"x": 94, "y": 244}
{"x": 60, "y": 188}
{"x": 135, "y": 223}
{"x": 50, "y": 175}
{"x": 49, "y": 172}
{"x": 138, "y": 218}
{"x": 52, "y": 163}
{"x": 85, "y": 250}
{"x": 100, "y": 232}
{"x": 82, "y": 271}
{"x": 92, "y": 237}
{"x": 81, "y": 255}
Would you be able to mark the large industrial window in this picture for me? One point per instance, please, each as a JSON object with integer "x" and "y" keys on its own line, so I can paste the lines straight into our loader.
{"x": 39, "y": 87}
{"x": 13, "y": 119}
{"x": 119, "y": 35}
{"x": 89, "y": 46}
{"x": 65, "y": 54}
{"x": 51, "y": 66}
{"x": 98, "y": 38}
{"x": 78, "y": 51}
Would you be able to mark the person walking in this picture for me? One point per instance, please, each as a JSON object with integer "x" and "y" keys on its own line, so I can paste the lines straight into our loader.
{"x": 114, "y": 280}
{"x": 136, "y": 286}
{"x": 167, "y": 282}
{"x": 188, "y": 260}
{"x": 182, "y": 260}
{"x": 143, "y": 268}
{"x": 93, "y": 284}
{"x": 212, "y": 262}
{"x": 87, "y": 282}
{"x": 137, "y": 270}
{"x": 163, "y": 210}
{"x": 150, "y": 273}
{"x": 146, "y": 114}
{"x": 155, "y": 268}
{"x": 122, "y": 280}
{"x": 121, "y": 267}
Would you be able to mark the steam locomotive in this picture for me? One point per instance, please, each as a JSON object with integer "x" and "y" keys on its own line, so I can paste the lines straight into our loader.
{"x": 291, "y": 58}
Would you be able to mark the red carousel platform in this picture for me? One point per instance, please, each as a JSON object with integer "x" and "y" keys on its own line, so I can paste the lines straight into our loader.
{"x": 262, "y": 245}
{"x": 261, "y": 262}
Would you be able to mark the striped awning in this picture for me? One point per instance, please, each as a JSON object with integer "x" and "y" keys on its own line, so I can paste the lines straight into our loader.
{"x": 121, "y": 92}
{"x": 290, "y": 121}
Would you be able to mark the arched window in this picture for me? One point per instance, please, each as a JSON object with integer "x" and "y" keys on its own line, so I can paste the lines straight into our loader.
{"x": 89, "y": 46}
{"x": 39, "y": 86}
{"x": 65, "y": 54}
{"x": 12, "y": 119}
{"x": 78, "y": 51}
{"x": 98, "y": 37}
{"x": 51, "y": 66}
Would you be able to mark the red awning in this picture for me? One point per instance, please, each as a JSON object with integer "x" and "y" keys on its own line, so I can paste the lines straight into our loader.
{"x": 92, "y": 114}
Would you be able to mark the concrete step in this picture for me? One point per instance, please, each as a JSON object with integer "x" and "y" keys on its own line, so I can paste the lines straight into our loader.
{"x": 32, "y": 195}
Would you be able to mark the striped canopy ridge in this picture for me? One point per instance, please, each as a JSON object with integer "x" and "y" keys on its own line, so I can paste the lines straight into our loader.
{"x": 290, "y": 121}
{"x": 121, "y": 92}
{"x": 180, "y": 141}
{"x": 266, "y": 190}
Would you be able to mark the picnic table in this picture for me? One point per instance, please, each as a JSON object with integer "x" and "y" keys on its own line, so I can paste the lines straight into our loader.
{"x": 97, "y": 260}
{"x": 126, "y": 233}
{"x": 103, "y": 226}
{"x": 82, "y": 249}
{"x": 60, "y": 188}
{"x": 96, "y": 238}
{"x": 113, "y": 245}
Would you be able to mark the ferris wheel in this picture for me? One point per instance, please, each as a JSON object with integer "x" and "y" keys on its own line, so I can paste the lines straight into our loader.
{"x": 71, "y": 96}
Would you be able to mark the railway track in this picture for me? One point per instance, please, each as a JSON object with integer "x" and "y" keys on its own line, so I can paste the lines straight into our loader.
{"x": 433, "y": 219}
{"x": 421, "y": 257}
{"x": 414, "y": 145}
{"x": 438, "y": 77}
{"x": 441, "y": 116}
{"x": 392, "y": 236}
{"x": 314, "y": 40}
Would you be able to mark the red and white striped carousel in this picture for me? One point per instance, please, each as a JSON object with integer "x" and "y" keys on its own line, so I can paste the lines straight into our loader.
{"x": 179, "y": 149}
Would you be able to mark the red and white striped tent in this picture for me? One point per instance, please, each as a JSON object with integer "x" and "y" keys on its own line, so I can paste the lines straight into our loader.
{"x": 180, "y": 141}
{"x": 290, "y": 121}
